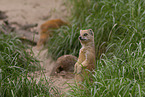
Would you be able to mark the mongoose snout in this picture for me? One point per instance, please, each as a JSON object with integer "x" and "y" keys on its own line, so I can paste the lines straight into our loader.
{"x": 80, "y": 38}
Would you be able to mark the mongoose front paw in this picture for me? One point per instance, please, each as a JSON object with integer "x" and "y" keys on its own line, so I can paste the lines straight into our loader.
{"x": 79, "y": 69}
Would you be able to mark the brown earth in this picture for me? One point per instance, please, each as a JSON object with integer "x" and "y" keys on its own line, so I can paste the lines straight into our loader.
{"x": 37, "y": 12}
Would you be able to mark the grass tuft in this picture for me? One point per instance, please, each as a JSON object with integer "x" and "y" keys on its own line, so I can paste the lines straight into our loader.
{"x": 116, "y": 76}
{"x": 15, "y": 66}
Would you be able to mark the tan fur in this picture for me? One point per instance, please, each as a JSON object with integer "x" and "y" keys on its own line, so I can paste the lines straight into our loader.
{"x": 47, "y": 29}
{"x": 86, "y": 58}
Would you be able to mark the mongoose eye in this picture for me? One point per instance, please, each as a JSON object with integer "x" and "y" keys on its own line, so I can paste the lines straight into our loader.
{"x": 85, "y": 34}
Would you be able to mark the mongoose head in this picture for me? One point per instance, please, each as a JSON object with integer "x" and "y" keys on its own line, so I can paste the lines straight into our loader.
{"x": 86, "y": 36}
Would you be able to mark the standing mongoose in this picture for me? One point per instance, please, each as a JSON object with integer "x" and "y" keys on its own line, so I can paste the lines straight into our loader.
{"x": 86, "y": 58}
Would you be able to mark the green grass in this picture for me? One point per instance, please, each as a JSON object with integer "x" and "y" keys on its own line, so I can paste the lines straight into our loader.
{"x": 120, "y": 51}
{"x": 119, "y": 27}
{"x": 117, "y": 77}
{"x": 110, "y": 20}
{"x": 63, "y": 41}
{"x": 15, "y": 66}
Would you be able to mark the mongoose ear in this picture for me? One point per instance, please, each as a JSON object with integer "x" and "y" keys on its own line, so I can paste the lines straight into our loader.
{"x": 91, "y": 32}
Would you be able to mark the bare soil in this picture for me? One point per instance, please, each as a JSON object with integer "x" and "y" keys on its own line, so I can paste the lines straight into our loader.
{"x": 37, "y": 12}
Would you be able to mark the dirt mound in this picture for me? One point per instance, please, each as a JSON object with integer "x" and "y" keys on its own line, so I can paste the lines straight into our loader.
{"x": 61, "y": 80}
{"x": 64, "y": 66}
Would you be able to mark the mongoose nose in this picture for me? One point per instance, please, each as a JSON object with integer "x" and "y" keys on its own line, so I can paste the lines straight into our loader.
{"x": 80, "y": 37}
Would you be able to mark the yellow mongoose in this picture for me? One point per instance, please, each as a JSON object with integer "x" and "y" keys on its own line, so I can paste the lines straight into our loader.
{"x": 47, "y": 29}
{"x": 86, "y": 58}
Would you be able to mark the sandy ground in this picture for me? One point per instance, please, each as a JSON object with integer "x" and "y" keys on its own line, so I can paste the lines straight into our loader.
{"x": 38, "y": 11}
{"x": 33, "y": 11}
{"x": 47, "y": 64}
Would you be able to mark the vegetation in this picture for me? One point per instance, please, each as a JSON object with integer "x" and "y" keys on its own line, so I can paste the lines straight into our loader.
{"x": 120, "y": 45}
{"x": 117, "y": 77}
{"x": 120, "y": 49}
{"x": 15, "y": 66}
